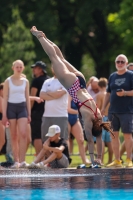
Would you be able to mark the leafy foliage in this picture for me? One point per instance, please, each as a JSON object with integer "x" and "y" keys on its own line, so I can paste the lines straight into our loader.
{"x": 80, "y": 28}
{"x": 122, "y": 22}
{"x": 17, "y": 44}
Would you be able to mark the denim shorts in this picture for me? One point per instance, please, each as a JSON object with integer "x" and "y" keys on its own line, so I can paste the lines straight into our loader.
{"x": 123, "y": 121}
{"x": 105, "y": 134}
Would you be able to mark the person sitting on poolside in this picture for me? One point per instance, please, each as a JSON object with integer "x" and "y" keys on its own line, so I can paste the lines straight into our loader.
{"x": 74, "y": 81}
{"x": 55, "y": 151}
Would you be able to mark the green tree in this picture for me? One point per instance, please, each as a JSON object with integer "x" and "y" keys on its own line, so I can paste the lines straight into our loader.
{"x": 17, "y": 44}
{"x": 79, "y": 27}
{"x": 122, "y": 23}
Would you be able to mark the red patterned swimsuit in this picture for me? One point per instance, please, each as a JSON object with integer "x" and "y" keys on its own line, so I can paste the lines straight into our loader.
{"x": 77, "y": 85}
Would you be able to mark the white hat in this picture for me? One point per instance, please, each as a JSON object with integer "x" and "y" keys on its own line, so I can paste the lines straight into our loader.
{"x": 53, "y": 130}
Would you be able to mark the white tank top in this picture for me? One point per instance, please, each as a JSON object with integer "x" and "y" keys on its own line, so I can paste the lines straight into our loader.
{"x": 16, "y": 92}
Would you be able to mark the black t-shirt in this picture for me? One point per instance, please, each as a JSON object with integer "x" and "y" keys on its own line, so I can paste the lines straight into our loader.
{"x": 37, "y": 83}
{"x": 122, "y": 104}
{"x": 62, "y": 142}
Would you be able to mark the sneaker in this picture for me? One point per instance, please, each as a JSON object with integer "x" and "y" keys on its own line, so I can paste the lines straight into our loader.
{"x": 23, "y": 165}
{"x": 40, "y": 165}
{"x": 15, "y": 165}
{"x": 37, "y": 165}
{"x": 6, "y": 164}
{"x": 81, "y": 166}
{"x": 94, "y": 166}
{"x": 115, "y": 163}
{"x": 32, "y": 165}
{"x": 128, "y": 163}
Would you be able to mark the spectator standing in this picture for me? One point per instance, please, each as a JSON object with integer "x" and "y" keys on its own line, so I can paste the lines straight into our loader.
{"x": 55, "y": 111}
{"x": 123, "y": 149}
{"x": 106, "y": 138}
{"x": 37, "y": 109}
{"x": 75, "y": 128}
{"x": 5, "y": 141}
{"x": 2, "y": 128}
{"x": 93, "y": 90}
{"x": 16, "y": 111}
{"x": 120, "y": 95}
{"x": 130, "y": 66}
{"x": 92, "y": 87}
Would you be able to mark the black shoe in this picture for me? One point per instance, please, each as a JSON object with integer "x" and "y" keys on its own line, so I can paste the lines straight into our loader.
{"x": 6, "y": 164}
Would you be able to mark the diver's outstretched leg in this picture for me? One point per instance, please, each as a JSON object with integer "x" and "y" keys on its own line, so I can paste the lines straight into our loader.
{"x": 66, "y": 77}
{"x": 70, "y": 67}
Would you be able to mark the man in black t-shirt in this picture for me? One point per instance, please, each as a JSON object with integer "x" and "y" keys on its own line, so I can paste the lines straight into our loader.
{"x": 55, "y": 151}
{"x": 37, "y": 109}
{"x": 120, "y": 95}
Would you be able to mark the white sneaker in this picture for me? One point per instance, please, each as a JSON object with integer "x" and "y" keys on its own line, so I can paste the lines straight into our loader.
{"x": 32, "y": 165}
{"x": 24, "y": 165}
{"x": 40, "y": 165}
{"x": 15, "y": 165}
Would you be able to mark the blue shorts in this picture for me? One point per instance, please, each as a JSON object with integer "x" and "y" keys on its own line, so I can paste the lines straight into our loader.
{"x": 17, "y": 110}
{"x": 123, "y": 121}
{"x": 105, "y": 135}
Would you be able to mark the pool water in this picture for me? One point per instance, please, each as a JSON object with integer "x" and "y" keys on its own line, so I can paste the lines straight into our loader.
{"x": 68, "y": 194}
{"x": 67, "y": 184}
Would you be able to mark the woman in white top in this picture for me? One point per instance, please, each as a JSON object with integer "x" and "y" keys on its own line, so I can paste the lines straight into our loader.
{"x": 16, "y": 111}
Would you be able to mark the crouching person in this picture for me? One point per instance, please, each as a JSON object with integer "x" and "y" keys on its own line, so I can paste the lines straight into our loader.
{"x": 55, "y": 151}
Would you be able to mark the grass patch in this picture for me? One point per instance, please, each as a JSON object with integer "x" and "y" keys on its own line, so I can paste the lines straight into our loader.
{"x": 76, "y": 160}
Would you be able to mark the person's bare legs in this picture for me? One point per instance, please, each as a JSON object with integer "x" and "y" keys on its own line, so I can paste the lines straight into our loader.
{"x": 110, "y": 152}
{"x": 66, "y": 77}
{"x": 70, "y": 67}
{"x": 123, "y": 149}
{"x": 52, "y": 157}
{"x": 28, "y": 135}
{"x": 37, "y": 145}
{"x": 77, "y": 132}
{"x": 14, "y": 139}
{"x": 28, "y": 131}
{"x": 99, "y": 149}
{"x": 116, "y": 146}
{"x": 40, "y": 156}
{"x": 2, "y": 135}
{"x": 103, "y": 150}
{"x": 22, "y": 129}
{"x": 88, "y": 132}
{"x": 128, "y": 144}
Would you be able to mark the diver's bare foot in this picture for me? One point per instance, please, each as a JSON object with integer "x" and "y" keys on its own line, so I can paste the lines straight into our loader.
{"x": 36, "y": 32}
